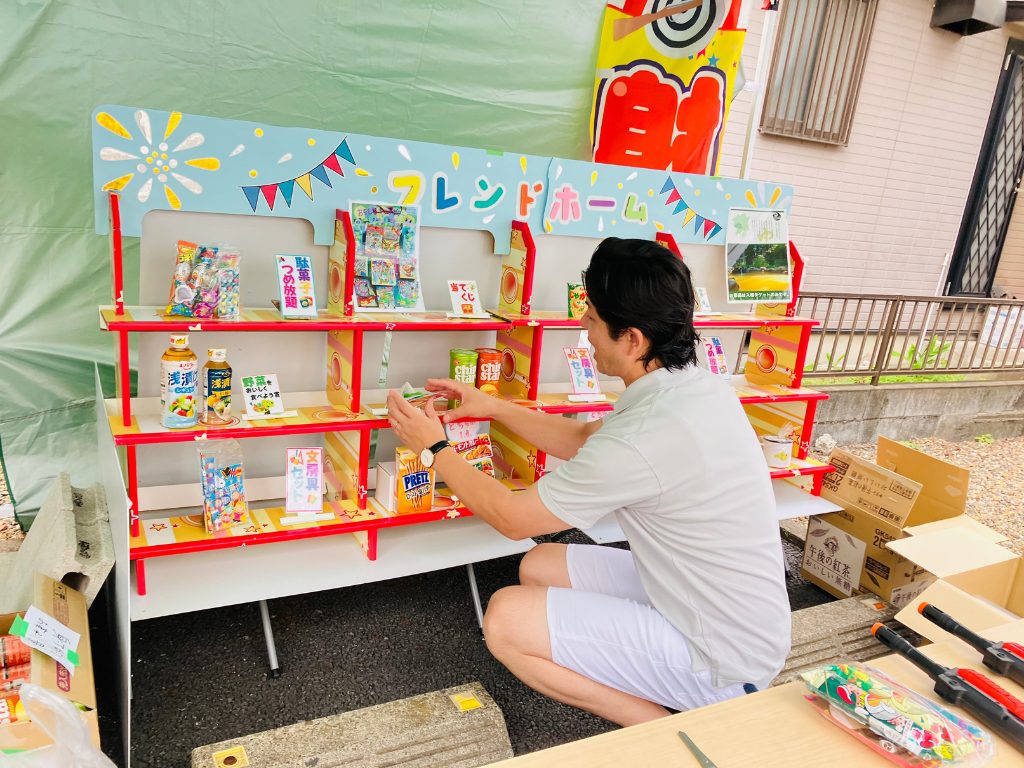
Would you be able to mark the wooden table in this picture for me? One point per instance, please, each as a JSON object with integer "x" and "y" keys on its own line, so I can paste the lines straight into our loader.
{"x": 777, "y": 727}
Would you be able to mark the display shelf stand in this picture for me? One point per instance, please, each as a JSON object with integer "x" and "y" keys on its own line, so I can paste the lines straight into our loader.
{"x": 181, "y": 584}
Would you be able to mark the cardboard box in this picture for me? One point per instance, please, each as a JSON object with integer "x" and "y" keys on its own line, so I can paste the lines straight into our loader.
{"x": 979, "y": 583}
{"x": 385, "y": 489}
{"x": 882, "y": 503}
{"x": 68, "y": 607}
{"x": 414, "y": 483}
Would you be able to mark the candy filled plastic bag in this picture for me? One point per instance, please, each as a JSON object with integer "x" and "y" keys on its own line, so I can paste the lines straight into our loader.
{"x": 62, "y": 721}
{"x": 228, "y": 297}
{"x": 899, "y": 724}
{"x": 204, "y": 282}
{"x": 182, "y": 295}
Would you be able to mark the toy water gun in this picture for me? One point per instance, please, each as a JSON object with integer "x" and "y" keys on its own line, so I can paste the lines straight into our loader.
{"x": 1005, "y": 658}
{"x": 995, "y": 707}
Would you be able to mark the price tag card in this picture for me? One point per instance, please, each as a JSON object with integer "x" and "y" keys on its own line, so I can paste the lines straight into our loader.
{"x": 582, "y": 374}
{"x": 46, "y": 634}
{"x": 304, "y": 481}
{"x": 703, "y": 302}
{"x": 262, "y": 397}
{"x": 295, "y": 278}
{"x": 465, "y": 299}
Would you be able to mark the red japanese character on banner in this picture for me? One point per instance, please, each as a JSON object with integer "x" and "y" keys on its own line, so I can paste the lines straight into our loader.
{"x": 647, "y": 118}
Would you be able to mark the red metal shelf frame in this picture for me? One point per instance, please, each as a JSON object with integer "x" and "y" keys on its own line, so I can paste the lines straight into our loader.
{"x": 120, "y": 323}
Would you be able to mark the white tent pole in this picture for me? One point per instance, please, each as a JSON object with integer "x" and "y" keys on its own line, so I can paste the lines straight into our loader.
{"x": 768, "y": 32}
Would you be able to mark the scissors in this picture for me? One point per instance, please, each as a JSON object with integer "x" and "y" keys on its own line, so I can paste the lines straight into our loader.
{"x": 703, "y": 759}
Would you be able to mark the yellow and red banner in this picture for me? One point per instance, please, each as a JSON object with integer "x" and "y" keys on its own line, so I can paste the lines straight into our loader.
{"x": 664, "y": 84}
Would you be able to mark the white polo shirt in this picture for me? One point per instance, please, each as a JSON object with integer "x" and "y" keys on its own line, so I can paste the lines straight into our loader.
{"x": 680, "y": 465}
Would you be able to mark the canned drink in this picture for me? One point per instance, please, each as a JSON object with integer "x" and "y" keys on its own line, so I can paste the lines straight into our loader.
{"x": 462, "y": 369}
{"x": 13, "y": 652}
{"x": 488, "y": 370}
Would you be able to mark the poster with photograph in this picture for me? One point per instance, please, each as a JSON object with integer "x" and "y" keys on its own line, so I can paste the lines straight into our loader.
{"x": 757, "y": 264}
{"x": 387, "y": 276}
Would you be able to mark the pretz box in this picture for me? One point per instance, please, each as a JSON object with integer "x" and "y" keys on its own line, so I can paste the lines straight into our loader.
{"x": 414, "y": 483}
{"x": 848, "y": 550}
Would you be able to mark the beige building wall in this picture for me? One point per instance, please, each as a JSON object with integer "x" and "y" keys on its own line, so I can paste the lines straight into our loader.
{"x": 882, "y": 214}
{"x": 1010, "y": 274}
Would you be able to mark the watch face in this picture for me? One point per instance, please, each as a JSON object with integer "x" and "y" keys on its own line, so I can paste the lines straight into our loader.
{"x": 427, "y": 457}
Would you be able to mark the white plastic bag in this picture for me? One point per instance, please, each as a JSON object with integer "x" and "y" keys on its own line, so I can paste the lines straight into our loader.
{"x": 62, "y": 722}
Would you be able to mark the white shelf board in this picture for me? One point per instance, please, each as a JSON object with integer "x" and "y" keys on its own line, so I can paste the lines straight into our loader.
{"x": 182, "y": 583}
{"x": 790, "y": 502}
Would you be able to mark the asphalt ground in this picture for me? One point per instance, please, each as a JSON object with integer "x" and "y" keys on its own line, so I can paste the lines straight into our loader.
{"x": 203, "y": 677}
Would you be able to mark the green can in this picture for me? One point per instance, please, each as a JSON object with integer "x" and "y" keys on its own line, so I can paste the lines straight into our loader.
{"x": 462, "y": 369}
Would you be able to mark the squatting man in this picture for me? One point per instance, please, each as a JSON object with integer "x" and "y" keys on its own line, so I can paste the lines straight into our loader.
{"x": 696, "y": 610}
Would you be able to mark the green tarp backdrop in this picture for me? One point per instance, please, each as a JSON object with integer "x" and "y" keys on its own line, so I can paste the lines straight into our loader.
{"x": 508, "y": 75}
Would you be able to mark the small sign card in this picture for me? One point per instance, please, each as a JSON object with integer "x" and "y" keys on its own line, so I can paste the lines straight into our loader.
{"x": 714, "y": 353}
{"x": 295, "y": 278}
{"x": 263, "y": 398}
{"x": 582, "y": 375}
{"x": 44, "y": 633}
{"x": 465, "y": 299}
{"x": 703, "y": 302}
{"x": 304, "y": 497}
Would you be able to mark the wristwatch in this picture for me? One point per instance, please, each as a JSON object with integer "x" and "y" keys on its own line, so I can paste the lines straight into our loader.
{"x": 427, "y": 454}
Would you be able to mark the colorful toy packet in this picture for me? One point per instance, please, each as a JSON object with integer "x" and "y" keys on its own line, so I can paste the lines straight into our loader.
{"x": 903, "y": 726}
{"x": 223, "y": 485}
{"x": 386, "y": 256}
{"x": 205, "y": 282}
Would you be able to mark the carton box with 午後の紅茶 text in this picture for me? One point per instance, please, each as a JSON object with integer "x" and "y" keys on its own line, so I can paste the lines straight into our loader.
{"x": 848, "y": 551}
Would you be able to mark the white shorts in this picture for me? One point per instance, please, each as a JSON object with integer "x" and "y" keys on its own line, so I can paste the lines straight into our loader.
{"x": 606, "y": 629}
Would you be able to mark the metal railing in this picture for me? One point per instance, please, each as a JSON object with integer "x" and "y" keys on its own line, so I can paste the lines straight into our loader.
{"x": 872, "y": 336}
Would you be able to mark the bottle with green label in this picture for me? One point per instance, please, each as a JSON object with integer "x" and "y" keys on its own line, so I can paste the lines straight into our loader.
{"x": 179, "y": 384}
{"x": 216, "y": 388}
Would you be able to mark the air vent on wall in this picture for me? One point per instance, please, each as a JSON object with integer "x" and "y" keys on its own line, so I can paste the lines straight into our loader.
{"x": 968, "y": 17}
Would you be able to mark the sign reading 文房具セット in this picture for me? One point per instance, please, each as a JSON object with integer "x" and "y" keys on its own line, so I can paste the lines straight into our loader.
{"x": 174, "y": 161}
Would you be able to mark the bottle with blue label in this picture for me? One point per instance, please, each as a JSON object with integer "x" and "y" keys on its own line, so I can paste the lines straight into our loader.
{"x": 179, "y": 385}
{"x": 216, "y": 388}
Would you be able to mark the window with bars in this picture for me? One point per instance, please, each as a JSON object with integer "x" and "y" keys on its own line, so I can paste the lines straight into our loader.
{"x": 817, "y": 64}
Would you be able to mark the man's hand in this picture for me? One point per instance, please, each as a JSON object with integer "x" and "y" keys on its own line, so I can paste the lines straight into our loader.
{"x": 415, "y": 429}
{"x": 474, "y": 404}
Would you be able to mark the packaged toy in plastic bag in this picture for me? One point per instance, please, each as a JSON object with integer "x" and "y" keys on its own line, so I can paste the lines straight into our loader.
{"x": 223, "y": 484}
{"x": 901, "y": 725}
{"x": 59, "y": 719}
{"x": 182, "y": 295}
{"x": 228, "y": 298}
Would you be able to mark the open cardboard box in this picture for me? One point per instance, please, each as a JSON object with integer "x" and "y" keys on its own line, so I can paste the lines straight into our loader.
{"x": 883, "y": 502}
{"x": 980, "y": 583}
{"x": 68, "y": 607}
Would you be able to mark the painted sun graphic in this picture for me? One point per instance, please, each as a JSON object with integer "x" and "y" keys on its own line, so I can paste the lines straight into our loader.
{"x": 154, "y": 163}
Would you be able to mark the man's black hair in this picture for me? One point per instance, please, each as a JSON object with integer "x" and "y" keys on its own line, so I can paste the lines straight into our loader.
{"x": 641, "y": 284}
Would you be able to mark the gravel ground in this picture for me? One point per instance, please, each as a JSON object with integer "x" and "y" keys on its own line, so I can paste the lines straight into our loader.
{"x": 996, "y": 494}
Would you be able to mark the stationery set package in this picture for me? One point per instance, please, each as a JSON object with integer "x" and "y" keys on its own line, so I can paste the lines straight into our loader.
{"x": 223, "y": 484}
{"x": 205, "y": 282}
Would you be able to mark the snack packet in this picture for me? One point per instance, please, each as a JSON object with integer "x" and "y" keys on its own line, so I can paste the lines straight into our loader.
{"x": 228, "y": 296}
{"x": 204, "y": 282}
{"x": 181, "y": 295}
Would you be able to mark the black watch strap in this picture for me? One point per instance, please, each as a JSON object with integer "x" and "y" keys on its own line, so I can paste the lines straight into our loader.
{"x": 439, "y": 446}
